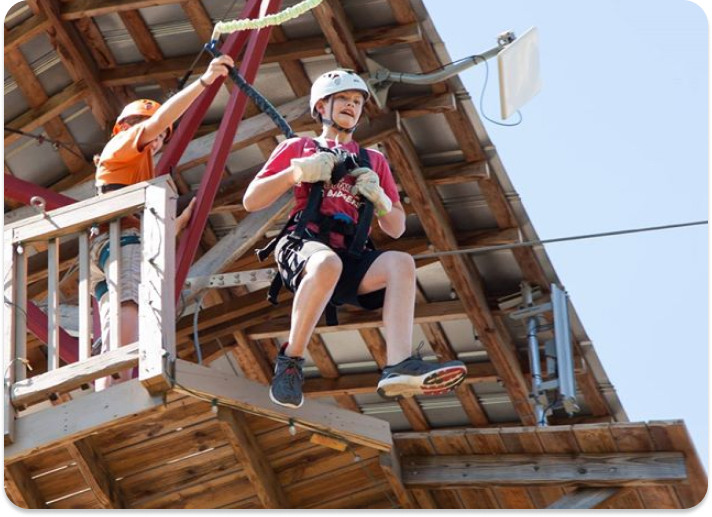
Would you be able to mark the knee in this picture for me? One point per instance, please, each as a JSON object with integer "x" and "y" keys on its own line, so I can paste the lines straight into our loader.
{"x": 402, "y": 264}
{"x": 326, "y": 266}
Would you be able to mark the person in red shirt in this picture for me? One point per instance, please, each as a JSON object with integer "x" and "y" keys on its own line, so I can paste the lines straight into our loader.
{"x": 318, "y": 263}
{"x": 140, "y": 132}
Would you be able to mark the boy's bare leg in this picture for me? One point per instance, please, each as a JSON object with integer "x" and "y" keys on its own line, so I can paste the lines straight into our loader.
{"x": 129, "y": 334}
{"x": 321, "y": 274}
{"x": 395, "y": 271}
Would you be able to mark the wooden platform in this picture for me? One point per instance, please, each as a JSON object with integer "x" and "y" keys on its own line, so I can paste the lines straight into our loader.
{"x": 188, "y": 453}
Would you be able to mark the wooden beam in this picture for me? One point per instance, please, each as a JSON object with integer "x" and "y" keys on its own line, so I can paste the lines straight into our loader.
{"x": 461, "y": 270}
{"x": 199, "y": 19}
{"x": 253, "y": 460}
{"x": 365, "y": 383}
{"x": 334, "y": 23}
{"x": 284, "y": 52}
{"x": 21, "y": 488}
{"x": 329, "y": 370}
{"x": 424, "y": 105}
{"x": 231, "y": 247}
{"x": 52, "y": 108}
{"x": 72, "y": 376}
{"x": 390, "y": 465}
{"x": 78, "y": 61}
{"x": 145, "y": 42}
{"x": 96, "y": 472}
{"x": 33, "y": 91}
{"x": 377, "y": 346}
{"x": 458, "y": 173}
{"x": 359, "y": 320}
{"x": 439, "y": 342}
{"x": 584, "y": 499}
{"x": 26, "y": 31}
{"x": 584, "y": 470}
{"x": 81, "y": 417}
{"x": 240, "y": 393}
{"x": 75, "y": 9}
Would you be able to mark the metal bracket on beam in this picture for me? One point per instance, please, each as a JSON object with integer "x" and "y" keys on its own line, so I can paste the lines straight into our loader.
{"x": 233, "y": 279}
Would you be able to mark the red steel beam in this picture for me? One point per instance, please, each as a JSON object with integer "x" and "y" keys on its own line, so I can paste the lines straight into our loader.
{"x": 22, "y": 191}
{"x": 221, "y": 149}
{"x": 190, "y": 122}
{"x": 37, "y": 324}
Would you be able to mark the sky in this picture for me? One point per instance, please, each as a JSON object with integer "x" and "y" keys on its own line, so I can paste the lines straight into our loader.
{"x": 616, "y": 139}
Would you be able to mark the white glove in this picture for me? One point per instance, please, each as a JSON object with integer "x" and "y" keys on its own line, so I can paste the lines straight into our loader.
{"x": 314, "y": 168}
{"x": 369, "y": 186}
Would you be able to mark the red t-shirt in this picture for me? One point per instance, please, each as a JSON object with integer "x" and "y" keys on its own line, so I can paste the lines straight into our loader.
{"x": 337, "y": 198}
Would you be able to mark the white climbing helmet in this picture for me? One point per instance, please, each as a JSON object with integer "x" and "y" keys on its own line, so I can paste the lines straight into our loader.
{"x": 334, "y": 82}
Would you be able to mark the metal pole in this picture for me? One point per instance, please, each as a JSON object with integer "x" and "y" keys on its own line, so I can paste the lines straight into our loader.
{"x": 528, "y": 300}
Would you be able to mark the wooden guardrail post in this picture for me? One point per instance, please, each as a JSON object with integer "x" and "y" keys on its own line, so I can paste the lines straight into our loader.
{"x": 157, "y": 348}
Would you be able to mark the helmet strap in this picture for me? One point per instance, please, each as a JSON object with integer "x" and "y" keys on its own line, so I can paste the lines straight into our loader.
{"x": 330, "y": 121}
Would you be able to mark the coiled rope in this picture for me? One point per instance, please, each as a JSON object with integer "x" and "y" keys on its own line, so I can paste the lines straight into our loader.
{"x": 266, "y": 21}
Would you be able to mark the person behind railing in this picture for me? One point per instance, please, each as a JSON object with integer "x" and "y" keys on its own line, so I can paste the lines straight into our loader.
{"x": 141, "y": 130}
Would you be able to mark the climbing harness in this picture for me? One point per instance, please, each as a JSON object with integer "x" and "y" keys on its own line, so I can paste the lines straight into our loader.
{"x": 297, "y": 232}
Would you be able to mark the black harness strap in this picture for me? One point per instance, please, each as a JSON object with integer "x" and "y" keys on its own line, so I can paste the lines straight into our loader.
{"x": 356, "y": 234}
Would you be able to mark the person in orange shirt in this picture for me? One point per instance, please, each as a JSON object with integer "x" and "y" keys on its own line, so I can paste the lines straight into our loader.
{"x": 141, "y": 130}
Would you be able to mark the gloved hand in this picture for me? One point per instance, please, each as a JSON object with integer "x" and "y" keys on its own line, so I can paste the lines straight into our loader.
{"x": 369, "y": 186}
{"x": 314, "y": 168}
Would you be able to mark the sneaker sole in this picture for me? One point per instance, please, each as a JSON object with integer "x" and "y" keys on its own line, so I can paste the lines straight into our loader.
{"x": 438, "y": 382}
{"x": 285, "y": 404}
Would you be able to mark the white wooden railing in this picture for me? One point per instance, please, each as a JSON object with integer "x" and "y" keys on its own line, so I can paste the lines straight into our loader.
{"x": 155, "y": 350}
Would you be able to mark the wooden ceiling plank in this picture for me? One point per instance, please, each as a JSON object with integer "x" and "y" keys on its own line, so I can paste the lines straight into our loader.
{"x": 78, "y": 61}
{"x": 21, "y": 488}
{"x": 329, "y": 370}
{"x": 96, "y": 472}
{"x": 671, "y": 436}
{"x": 461, "y": 270}
{"x": 253, "y": 460}
{"x": 635, "y": 437}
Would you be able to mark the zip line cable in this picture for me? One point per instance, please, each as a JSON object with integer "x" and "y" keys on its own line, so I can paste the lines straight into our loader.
{"x": 525, "y": 244}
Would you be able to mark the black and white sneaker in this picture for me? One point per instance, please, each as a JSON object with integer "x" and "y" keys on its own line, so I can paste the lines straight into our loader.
{"x": 286, "y": 388}
{"x": 413, "y": 376}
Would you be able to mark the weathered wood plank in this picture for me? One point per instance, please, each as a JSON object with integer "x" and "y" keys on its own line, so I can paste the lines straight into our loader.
{"x": 253, "y": 461}
{"x": 21, "y": 488}
{"x": 583, "y": 499}
{"x": 588, "y": 470}
{"x": 252, "y": 397}
{"x": 96, "y": 472}
{"x": 78, "y": 418}
{"x": 74, "y": 375}
{"x": 157, "y": 319}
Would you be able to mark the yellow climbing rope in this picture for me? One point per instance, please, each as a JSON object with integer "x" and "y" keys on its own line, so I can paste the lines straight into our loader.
{"x": 266, "y": 21}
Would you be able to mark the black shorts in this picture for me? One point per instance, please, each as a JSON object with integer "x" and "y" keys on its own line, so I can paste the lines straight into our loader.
{"x": 292, "y": 254}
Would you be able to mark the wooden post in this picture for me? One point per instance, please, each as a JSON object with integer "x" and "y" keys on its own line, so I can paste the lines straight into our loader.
{"x": 85, "y": 300}
{"x": 157, "y": 306}
{"x": 112, "y": 270}
{"x": 52, "y": 305}
{"x": 9, "y": 330}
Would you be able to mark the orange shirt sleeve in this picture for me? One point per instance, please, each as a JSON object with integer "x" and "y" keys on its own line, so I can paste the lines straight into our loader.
{"x": 122, "y": 162}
